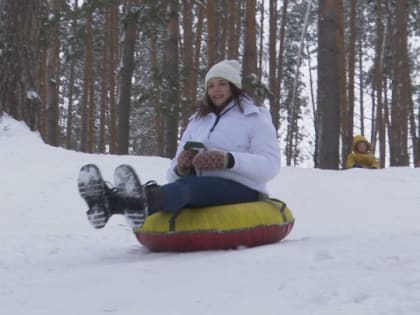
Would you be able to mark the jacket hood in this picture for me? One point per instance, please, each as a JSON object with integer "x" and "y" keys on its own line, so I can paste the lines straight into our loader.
{"x": 358, "y": 139}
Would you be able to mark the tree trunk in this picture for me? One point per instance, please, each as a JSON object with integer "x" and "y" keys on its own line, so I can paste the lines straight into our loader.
{"x": 211, "y": 32}
{"x": 172, "y": 94}
{"x": 126, "y": 72}
{"x": 87, "y": 84}
{"x": 386, "y": 108}
{"x": 311, "y": 88}
{"x": 408, "y": 92}
{"x": 292, "y": 126}
{"x": 157, "y": 108}
{"x": 69, "y": 126}
{"x": 378, "y": 80}
{"x": 348, "y": 131}
{"x": 20, "y": 25}
{"x": 233, "y": 28}
{"x": 113, "y": 60}
{"x": 272, "y": 66}
{"x": 261, "y": 42}
{"x": 346, "y": 139}
{"x": 328, "y": 111}
{"x": 52, "y": 75}
{"x": 250, "y": 46}
{"x": 187, "y": 105}
{"x": 361, "y": 83}
{"x": 197, "y": 54}
{"x": 104, "y": 83}
{"x": 91, "y": 89}
{"x": 275, "y": 111}
{"x": 222, "y": 25}
{"x": 42, "y": 87}
{"x": 417, "y": 162}
{"x": 399, "y": 109}
{"x": 413, "y": 130}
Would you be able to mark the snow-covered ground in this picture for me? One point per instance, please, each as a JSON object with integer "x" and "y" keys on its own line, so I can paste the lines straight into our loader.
{"x": 355, "y": 247}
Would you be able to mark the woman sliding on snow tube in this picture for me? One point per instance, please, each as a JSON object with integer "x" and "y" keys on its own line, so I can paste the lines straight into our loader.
{"x": 227, "y": 154}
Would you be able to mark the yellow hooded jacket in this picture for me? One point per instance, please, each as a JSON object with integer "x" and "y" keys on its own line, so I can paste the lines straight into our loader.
{"x": 364, "y": 160}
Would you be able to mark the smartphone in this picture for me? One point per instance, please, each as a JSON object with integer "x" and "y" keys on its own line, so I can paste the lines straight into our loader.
{"x": 194, "y": 145}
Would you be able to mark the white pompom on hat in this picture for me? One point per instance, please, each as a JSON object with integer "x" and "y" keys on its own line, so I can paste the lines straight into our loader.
{"x": 227, "y": 69}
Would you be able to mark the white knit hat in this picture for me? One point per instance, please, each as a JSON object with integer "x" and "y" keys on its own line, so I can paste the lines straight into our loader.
{"x": 227, "y": 69}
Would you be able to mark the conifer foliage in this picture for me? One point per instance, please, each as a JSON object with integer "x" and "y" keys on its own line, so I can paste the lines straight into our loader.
{"x": 123, "y": 76}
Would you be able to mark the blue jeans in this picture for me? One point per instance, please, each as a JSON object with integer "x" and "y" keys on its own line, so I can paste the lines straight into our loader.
{"x": 203, "y": 191}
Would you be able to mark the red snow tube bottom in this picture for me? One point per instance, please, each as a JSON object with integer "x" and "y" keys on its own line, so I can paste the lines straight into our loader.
{"x": 220, "y": 227}
{"x": 194, "y": 241}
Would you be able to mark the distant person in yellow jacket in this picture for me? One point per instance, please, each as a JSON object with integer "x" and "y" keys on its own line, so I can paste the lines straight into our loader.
{"x": 361, "y": 155}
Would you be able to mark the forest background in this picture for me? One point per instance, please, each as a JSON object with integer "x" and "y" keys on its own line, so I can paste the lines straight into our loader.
{"x": 123, "y": 76}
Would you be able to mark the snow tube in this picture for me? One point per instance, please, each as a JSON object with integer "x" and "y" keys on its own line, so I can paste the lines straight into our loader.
{"x": 219, "y": 227}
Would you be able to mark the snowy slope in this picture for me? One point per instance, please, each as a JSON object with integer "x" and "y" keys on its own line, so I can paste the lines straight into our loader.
{"x": 355, "y": 248}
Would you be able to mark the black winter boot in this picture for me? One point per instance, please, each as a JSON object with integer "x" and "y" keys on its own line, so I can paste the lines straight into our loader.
{"x": 129, "y": 189}
{"x": 93, "y": 190}
{"x": 155, "y": 197}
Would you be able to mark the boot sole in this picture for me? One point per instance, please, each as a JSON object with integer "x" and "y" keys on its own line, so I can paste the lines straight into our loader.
{"x": 129, "y": 188}
{"x": 92, "y": 190}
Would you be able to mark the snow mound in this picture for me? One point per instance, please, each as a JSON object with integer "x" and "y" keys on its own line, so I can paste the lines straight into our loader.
{"x": 17, "y": 130}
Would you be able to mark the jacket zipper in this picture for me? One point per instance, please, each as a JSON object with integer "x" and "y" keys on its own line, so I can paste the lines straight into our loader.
{"x": 218, "y": 118}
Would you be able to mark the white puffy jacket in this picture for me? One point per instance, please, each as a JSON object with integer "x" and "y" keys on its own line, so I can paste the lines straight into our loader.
{"x": 249, "y": 136}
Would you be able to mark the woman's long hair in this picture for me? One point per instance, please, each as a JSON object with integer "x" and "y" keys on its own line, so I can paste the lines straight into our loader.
{"x": 206, "y": 106}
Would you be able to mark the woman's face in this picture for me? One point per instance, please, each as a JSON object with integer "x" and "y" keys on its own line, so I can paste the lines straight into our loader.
{"x": 218, "y": 90}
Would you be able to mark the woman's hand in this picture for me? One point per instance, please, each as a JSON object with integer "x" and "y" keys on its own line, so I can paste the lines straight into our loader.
{"x": 184, "y": 162}
{"x": 210, "y": 160}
